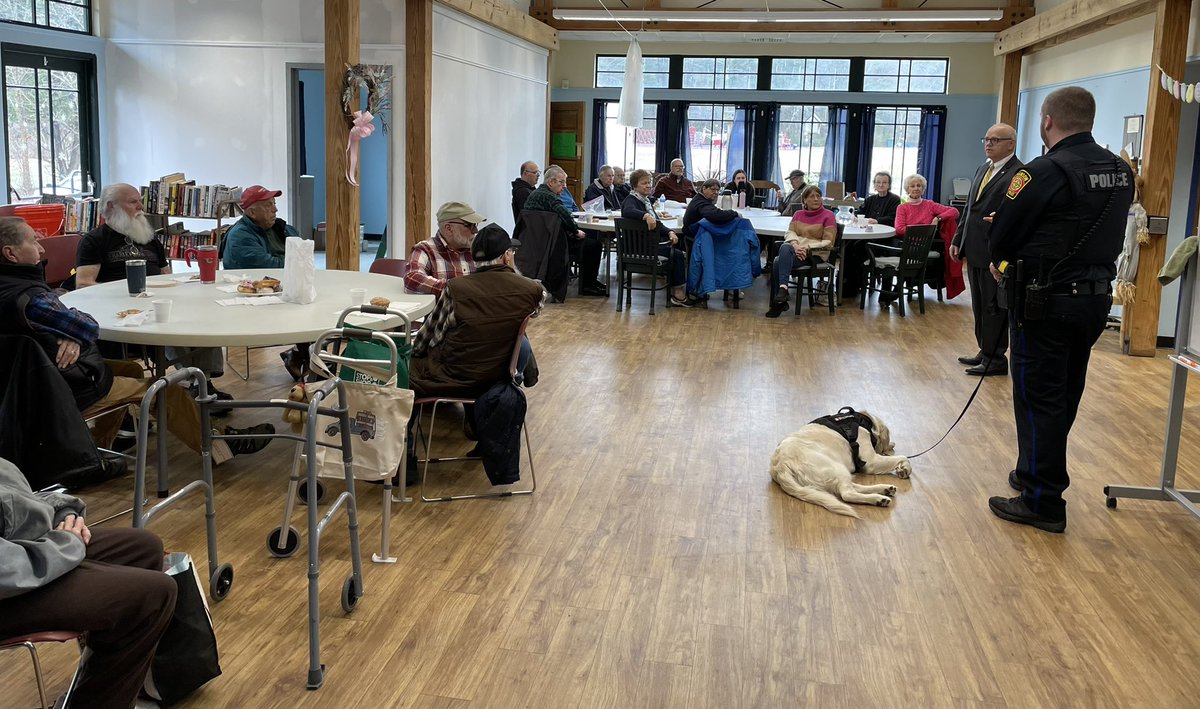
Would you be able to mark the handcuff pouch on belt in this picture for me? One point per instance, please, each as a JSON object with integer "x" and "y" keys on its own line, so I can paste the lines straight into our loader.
{"x": 1028, "y": 298}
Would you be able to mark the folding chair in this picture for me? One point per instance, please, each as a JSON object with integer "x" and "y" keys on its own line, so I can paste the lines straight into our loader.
{"x": 427, "y": 441}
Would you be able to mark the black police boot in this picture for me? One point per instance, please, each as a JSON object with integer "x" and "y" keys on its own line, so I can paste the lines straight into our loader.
{"x": 1014, "y": 509}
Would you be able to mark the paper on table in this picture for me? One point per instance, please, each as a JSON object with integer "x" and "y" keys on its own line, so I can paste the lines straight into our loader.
{"x": 245, "y": 300}
{"x": 134, "y": 320}
{"x": 367, "y": 316}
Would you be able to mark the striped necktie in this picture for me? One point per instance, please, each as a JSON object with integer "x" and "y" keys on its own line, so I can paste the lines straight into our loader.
{"x": 986, "y": 176}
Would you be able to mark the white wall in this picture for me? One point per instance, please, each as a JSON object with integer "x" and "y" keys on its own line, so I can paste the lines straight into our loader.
{"x": 489, "y": 116}
{"x": 202, "y": 88}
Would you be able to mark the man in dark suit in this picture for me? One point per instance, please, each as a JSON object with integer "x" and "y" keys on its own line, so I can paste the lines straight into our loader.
{"x": 971, "y": 244}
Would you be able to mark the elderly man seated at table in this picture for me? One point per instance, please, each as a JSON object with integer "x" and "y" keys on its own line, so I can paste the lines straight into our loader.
{"x": 675, "y": 186}
{"x": 603, "y": 186}
{"x": 810, "y": 238}
{"x": 447, "y": 254}
{"x": 565, "y": 195}
{"x": 638, "y": 206}
{"x": 258, "y": 240}
{"x": 467, "y": 341}
{"x": 125, "y": 235}
{"x": 619, "y": 184}
{"x": 523, "y": 186}
{"x": 793, "y": 201}
{"x": 585, "y": 247}
{"x": 68, "y": 336}
{"x": 57, "y": 573}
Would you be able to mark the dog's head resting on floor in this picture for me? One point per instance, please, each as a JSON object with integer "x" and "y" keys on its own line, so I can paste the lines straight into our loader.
{"x": 880, "y": 434}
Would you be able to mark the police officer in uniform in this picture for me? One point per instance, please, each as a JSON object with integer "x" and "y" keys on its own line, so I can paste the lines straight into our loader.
{"x": 1054, "y": 243}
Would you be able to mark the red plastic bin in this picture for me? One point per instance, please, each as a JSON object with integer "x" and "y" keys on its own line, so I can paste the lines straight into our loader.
{"x": 46, "y": 219}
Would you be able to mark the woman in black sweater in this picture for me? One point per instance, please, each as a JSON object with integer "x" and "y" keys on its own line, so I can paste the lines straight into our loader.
{"x": 638, "y": 206}
{"x": 880, "y": 208}
{"x": 741, "y": 185}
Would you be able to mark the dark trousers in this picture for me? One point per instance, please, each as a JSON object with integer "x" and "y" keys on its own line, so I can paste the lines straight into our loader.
{"x": 1049, "y": 363}
{"x": 121, "y": 597}
{"x": 586, "y": 252}
{"x": 991, "y": 321}
{"x": 678, "y": 265}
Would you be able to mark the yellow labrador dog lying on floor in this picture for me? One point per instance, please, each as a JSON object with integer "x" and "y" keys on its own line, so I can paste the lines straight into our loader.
{"x": 815, "y": 463}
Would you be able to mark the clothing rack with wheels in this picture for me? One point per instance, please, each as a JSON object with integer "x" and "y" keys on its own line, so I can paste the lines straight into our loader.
{"x": 1186, "y": 363}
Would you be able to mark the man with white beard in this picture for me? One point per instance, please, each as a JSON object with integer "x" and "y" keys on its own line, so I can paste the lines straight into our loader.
{"x": 126, "y": 234}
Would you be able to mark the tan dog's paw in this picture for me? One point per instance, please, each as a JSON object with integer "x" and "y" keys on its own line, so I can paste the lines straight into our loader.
{"x": 885, "y": 502}
{"x": 890, "y": 491}
{"x": 904, "y": 470}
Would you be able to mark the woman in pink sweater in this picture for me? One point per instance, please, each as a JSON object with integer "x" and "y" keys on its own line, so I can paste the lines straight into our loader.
{"x": 918, "y": 210}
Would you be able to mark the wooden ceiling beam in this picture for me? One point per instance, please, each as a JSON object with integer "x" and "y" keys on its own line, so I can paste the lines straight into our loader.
{"x": 1075, "y": 19}
{"x": 504, "y": 17}
{"x": 1012, "y": 16}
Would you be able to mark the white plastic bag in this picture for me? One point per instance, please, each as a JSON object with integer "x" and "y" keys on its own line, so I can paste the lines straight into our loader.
{"x": 299, "y": 271}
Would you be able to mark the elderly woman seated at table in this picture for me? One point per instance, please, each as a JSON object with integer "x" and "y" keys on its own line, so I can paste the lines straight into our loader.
{"x": 810, "y": 238}
{"x": 638, "y": 206}
{"x": 918, "y": 210}
{"x": 878, "y": 208}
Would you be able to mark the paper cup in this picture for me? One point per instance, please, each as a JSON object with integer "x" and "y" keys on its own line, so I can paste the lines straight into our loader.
{"x": 357, "y": 296}
{"x": 162, "y": 310}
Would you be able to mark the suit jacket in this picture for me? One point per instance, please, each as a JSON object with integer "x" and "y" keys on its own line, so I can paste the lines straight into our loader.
{"x": 972, "y": 235}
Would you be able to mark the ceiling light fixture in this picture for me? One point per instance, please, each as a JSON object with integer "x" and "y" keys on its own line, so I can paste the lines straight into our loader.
{"x": 798, "y": 16}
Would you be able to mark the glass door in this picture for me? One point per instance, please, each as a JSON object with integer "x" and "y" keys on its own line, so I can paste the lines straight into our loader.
{"x": 49, "y": 123}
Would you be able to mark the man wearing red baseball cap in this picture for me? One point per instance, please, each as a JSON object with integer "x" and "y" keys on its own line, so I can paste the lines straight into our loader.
{"x": 257, "y": 239}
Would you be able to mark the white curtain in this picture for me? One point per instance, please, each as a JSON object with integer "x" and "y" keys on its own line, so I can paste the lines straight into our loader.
{"x": 629, "y": 113}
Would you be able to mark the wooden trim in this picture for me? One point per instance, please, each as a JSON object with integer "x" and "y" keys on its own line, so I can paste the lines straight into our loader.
{"x": 1010, "y": 90}
{"x": 341, "y": 198}
{"x": 1076, "y": 18}
{"x": 1139, "y": 323}
{"x": 1012, "y": 16}
{"x": 418, "y": 121}
{"x": 506, "y": 18}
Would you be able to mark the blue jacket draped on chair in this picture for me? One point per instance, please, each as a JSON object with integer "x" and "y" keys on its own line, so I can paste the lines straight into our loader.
{"x": 724, "y": 257}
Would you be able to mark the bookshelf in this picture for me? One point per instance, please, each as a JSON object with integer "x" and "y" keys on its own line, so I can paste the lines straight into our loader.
{"x": 174, "y": 197}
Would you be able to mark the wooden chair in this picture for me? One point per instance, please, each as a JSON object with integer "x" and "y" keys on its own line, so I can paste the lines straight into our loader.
{"x": 427, "y": 441}
{"x": 763, "y": 191}
{"x": 637, "y": 252}
{"x": 815, "y": 280}
{"x": 30, "y": 642}
{"x": 905, "y": 264}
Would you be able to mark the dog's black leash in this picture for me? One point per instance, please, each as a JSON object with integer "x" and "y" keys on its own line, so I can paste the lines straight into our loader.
{"x": 956, "y": 421}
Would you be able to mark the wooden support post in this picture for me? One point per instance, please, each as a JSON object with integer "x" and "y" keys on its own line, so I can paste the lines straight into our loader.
{"x": 1010, "y": 90}
{"x": 341, "y": 197}
{"x": 1139, "y": 325}
{"x": 418, "y": 120}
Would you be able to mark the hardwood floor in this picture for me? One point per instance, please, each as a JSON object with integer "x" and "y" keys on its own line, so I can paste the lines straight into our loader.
{"x": 658, "y": 566}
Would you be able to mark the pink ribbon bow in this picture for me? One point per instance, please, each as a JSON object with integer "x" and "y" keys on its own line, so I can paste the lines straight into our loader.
{"x": 362, "y": 128}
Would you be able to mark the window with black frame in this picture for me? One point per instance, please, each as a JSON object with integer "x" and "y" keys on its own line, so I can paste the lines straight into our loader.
{"x": 49, "y": 123}
{"x": 709, "y": 127}
{"x": 66, "y": 15}
{"x": 720, "y": 72}
{"x": 897, "y": 136}
{"x": 803, "y": 130}
{"x": 630, "y": 148}
{"x": 915, "y": 76}
{"x": 810, "y": 74}
{"x": 610, "y": 71}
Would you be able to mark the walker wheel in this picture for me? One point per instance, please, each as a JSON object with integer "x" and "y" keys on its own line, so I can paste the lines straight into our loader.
{"x": 221, "y": 582}
{"x": 1111, "y": 502}
{"x": 349, "y": 597}
{"x": 290, "y": 544}
{"x": 302, "y": 491}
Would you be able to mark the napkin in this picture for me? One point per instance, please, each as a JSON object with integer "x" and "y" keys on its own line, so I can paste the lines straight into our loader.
{"x": 264, "y": 300}
{"x": 134, "y": 320}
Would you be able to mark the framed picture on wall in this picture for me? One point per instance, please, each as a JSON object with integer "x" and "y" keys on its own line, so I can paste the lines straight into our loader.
{"x": 1131, "y": 137}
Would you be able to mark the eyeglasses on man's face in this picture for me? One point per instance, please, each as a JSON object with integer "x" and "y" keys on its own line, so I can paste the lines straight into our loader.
{"x": 469, "y": 226}
{"x": 993, "y": 141}
{"x": 535, "y": 173}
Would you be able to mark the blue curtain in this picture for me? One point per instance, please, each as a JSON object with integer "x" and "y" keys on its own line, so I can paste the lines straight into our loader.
{"x": 833, "y": 165}
{"x": 684, "y": 140}
{"x": 735, "y": 158}
{"x": 863, "y": 181}
{"x": 599, "y": 135}
{"x": 929, "y": 150}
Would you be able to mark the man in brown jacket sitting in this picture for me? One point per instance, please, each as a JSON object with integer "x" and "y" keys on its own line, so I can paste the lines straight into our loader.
{"x": 467, "y": 341}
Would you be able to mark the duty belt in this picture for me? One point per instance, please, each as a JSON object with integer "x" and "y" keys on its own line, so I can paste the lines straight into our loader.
{"x": 1082, "y": 288}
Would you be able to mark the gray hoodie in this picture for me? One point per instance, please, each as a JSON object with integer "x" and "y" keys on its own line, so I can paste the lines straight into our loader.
{"x": 32, "y": 552}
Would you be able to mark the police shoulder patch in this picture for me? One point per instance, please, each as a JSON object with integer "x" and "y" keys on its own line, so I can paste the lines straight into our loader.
{"x": 1019, "y": 182}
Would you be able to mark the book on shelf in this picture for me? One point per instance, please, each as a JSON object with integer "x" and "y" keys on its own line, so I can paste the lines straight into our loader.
{"x": 176, "y": 240}
{"x": 178, "y": 197}
{"x": 82, "y": 215}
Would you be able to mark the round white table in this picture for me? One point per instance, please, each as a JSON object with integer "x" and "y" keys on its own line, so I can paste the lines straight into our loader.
{"x": 198, "y": 321}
